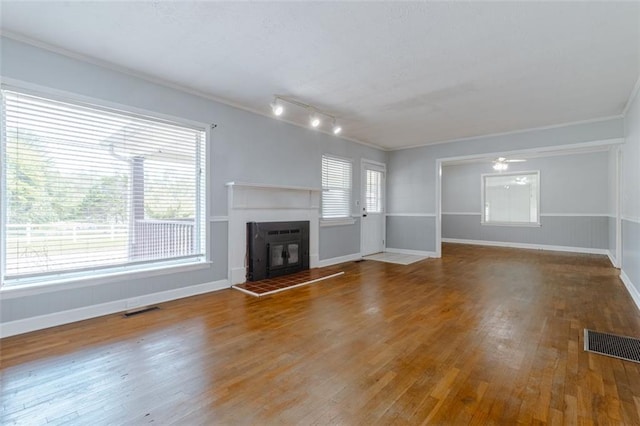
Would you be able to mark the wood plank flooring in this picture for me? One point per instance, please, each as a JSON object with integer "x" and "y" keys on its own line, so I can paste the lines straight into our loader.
{"x": 399, "y": 258}
{"x": 482, "y": 336}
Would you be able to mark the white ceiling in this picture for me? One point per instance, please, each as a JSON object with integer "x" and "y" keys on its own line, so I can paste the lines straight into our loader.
{"x": 396, "y": 74}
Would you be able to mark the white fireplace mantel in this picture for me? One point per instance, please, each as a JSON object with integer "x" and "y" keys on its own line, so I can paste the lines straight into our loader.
{"x": 256, "y": 196}
{"x": 269, "y": 186}
{"x": 251, "y": 202}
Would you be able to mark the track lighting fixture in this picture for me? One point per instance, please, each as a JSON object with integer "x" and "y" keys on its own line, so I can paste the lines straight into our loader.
{"x": 277, "y": 107}
{"x": 336, "y": 128}
{"x": 315, "y": 115}
{"x": 314, "y": 120}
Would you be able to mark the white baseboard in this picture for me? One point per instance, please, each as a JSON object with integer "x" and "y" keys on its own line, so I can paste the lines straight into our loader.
{"x": 527, "y": 246}
{"x": 340, "y": 259}
{"x": 26, "y": 325}
{"x": 613, "y": 259}
{"x": 407, "y": 251}
{"x": 238, "y": 275}
{"x": 633, "y": 291}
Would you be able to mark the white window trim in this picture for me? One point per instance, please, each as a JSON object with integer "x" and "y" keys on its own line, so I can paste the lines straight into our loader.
{"x": 535, "y": 224}
{"x": 378, "y": 166}
{"x": 337, "y": 221}
{"x": 71, "y": 97}
{"x": 72, "y": 279}
{"x": 93, "y": 279}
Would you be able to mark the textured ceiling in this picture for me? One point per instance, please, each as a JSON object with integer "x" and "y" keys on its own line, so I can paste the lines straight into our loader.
{"x": 396, "y": 74}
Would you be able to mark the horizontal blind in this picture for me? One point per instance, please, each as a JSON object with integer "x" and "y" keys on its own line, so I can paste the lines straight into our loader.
{"x": 373, "y": 195}
{"x": 511, "y": 198}
{"x": 88, "y": 188}
{"x": 336, "y": 187}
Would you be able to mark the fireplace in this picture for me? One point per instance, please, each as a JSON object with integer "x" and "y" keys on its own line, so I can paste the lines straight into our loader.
{"x": 276, "y": 248}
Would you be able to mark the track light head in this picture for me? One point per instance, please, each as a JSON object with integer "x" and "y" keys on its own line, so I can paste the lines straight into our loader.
{"x": 336, "y": 129}
{"x": 277, "y": 107}
{"x": 314, "y": 120}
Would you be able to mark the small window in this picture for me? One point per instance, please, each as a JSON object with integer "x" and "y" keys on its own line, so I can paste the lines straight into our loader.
{"x": 336, "y": 188}
{"x": 511, "y": 199}
{"x": 373, "y": 194}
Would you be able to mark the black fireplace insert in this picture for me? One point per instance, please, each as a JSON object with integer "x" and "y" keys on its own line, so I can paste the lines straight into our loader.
{"x": 276, "y": 248}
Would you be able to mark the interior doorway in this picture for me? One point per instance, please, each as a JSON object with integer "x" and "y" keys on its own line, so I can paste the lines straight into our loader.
{"x": 533, "y": 153}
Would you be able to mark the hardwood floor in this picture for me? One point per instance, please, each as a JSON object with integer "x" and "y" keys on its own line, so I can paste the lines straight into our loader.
{"x": 481, "y": 336}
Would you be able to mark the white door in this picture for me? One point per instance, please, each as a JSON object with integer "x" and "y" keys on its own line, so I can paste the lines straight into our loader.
{"x": 372, "y": 207}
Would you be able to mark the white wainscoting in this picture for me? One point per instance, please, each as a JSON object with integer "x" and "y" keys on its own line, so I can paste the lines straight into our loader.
{"x": 26, "y": 325}
{"x": 527, "y": 246}
{"x": 341, "y": 259}
{"x": 635, "y": 295}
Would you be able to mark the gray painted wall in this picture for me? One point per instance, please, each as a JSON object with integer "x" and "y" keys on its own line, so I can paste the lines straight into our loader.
{"x": 631, "y": 252}
{"x": 411, "y": 175}
{"x": 246, "y": 147}
{"x": 631, "y": 196}
{"x": 412, "y": 172}
{"x": 219, "y": 237}
{"x": 574, "y": 185}
{"x": 611, "y": 222}
{"x": 57, "y": 301}
{"x": 611, "y": 181}
{"x": 584, "y": 232}
{"x": 612, "y": 201}
{"x": 341, "y": 240}
{"x": 411, "y": 232}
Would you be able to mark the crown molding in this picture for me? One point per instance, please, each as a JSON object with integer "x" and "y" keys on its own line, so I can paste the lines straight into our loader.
{"x": 632, "y": 97}
{"x": 545, "y": 151}
{"x": 227, "y": 102}
{"x": 512, "y": 132}
{"x": 166, "y": 83}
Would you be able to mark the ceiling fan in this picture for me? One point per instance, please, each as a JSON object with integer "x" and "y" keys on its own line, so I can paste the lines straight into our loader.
{"x": 501, "y": 163}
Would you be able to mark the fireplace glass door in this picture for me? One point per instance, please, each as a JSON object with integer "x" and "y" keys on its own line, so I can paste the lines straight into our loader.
{"x": 292, "y": 252}
{"x": 277, "y": 255}
{"x": 276, "y": 248}
{"x": 283, "y": 255}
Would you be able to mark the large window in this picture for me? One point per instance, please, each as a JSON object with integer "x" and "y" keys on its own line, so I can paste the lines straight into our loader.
{"x": 86, "y": 188}
{"x": 511, "y": 198}
{"x": 336, "y": 188}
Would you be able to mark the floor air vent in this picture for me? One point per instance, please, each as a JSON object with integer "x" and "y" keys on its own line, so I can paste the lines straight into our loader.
{"x": 622, "y": 347}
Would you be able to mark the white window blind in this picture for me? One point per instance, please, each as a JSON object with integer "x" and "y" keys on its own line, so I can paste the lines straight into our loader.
{"x": 373, "y": 195}
{"x": 88, "y": 188}
{"x": 336, "y": 188}
{"x": 511, "y": 198}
